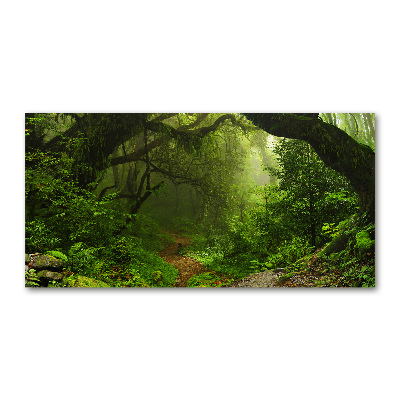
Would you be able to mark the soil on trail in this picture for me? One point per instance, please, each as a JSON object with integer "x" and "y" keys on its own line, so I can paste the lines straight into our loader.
{"x": 186, "y": 266}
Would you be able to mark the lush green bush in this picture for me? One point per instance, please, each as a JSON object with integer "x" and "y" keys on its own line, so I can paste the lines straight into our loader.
{"x": 31, "y": 278}
{"x": 237, "y": 265}
{"x": 355, "y": 274}
{"x": 40, "y": 237}
{"x": 337, "y": 206}
{"x": 128, "y": 252}
{"x": 289, "y": 253}
{"x": 60, "y": 213}
{"x": 121, "y": 276}
{"x": 349, "y": 259}
{"x": 364, "y": 244}
{"x": 64, "y": 218}
{"x": 123, "y": 263}
{"x": 82, "y": 257}
{"x": 208, "y": 279}
{"x": 58, "y": 254}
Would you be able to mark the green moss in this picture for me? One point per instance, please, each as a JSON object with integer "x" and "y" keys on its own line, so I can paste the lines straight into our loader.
{"x": 157, "y": 276}
{"x": 208, "y": 279}
{"x": 337, "y": 244}
{"x": 363, "y": 242}
{"x": 84, "y": 281}
{"x": 45, "y": 261}
{"x": 58, "y": 254}
{"x": 286, "y": 277}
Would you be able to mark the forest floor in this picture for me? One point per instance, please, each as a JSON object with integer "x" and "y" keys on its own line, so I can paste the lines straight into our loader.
{"x": 189, "y": 267}
{"x": 186, "y": 266}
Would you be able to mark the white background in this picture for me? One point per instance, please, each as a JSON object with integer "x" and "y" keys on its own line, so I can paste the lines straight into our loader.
{"x": 163, "y": 56}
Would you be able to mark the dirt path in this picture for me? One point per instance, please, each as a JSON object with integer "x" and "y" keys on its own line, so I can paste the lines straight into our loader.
{"x": 186, "y": 266}
{"x": 189, "y": 267}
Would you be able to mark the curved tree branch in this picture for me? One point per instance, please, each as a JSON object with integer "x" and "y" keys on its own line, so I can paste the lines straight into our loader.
{"x": 186, "y": 135}
{"x": 138, "y": 154}
{"x": 169, "y": 132}
{"x": 335, "y": 147}
{"x": 355, "y": 122}
{"x": 198, "y": 121}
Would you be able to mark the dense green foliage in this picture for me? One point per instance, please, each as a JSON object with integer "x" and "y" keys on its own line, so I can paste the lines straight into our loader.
{"x": 311, "y": 194}
{"x": 124, "y": 263}
{"x": 73, "y": 224}
{"x": 103, "y": 190}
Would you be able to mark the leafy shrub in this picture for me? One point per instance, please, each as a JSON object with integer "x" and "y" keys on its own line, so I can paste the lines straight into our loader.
{"x": 82, "y": 257}
{"x": 58, "y": 211}
{"x": 330, "y": 230}
{"x": 208, "y": 279}
{"x": 157, "y": 276}
{"x": 337, "y": 206}
{"x": 38, "y": 236}
{"x": 84, "y": 281}
{"x": 237, "y": 266}
{"x": 147, "y": 264}
{"x": 120, "y": 276}
{"x": 350, "y": 256}
{"x": 31, "y": 278}
{"x": 240, "y": 236}
{"x": 356, "y": 275}
{"x": 366, "y": 276}
{"x": 80, "y": 217}
{"x": 289, "y": 254}
{"x": 124, "y": 263}
{"x": 363, "y": 242}
{"x": 122, "y": 250}
{"x": 58, "y": 254}
{"x": 128, "y": 252}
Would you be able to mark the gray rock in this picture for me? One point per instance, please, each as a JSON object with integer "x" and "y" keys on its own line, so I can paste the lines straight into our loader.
{"x": 44, "y": 262}
{"x": 260, "y": 279}
{"x": 279, "y": 270}
{"x": 46, "y": 276}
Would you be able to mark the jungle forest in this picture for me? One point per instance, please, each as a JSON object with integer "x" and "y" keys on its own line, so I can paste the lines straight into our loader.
{"x": 200, "y": 200}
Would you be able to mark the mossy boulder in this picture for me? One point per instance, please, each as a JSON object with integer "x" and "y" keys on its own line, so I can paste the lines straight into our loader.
{"x": 46, "y": 262}
{"x": 46, "y": 276}
{"x": 84, "y": 281}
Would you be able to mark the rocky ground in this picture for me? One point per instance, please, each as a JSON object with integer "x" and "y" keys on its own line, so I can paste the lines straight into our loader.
{"x": 276, "y": 279}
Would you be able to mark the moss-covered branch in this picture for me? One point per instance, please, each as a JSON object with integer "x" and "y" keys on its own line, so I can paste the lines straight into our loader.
{"x": 335, "y": 147}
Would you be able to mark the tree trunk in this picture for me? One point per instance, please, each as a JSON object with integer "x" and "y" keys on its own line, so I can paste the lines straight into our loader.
{"x": 336, "y": 149}
{"x": 313, "y": 233}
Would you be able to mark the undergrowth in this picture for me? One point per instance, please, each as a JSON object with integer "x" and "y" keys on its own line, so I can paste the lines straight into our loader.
{"x": 208, "y": 279}
{"x": 124, "y": 264}
{"x": 349, "y": 261}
